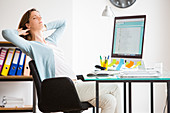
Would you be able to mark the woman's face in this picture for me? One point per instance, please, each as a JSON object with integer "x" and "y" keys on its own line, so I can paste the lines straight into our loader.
{"x": 35, "y": 21}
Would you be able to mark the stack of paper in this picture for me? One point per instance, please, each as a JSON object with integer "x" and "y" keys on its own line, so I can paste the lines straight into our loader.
{"x": 10, "y": 102}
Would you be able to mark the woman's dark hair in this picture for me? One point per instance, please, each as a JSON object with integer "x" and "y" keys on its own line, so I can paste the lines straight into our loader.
{"x": 24, "y": 20}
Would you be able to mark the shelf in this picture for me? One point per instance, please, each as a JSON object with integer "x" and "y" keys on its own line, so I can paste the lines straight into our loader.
{"x": 6, "y": 44}
{"x": 16, "y": 78}
{"x": 22, "y": 109}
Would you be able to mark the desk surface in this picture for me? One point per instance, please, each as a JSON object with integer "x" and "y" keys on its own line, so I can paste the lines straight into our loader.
{"x": 154, "y": 79}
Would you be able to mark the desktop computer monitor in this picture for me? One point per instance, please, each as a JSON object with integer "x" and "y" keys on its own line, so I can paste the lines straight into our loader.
{"x": 128, "y": 37}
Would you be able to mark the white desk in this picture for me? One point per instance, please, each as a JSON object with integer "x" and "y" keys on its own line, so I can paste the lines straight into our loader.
{"x": 129, "y": 81}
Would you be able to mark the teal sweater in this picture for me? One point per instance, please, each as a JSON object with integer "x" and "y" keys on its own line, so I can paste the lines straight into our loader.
{"x": 42, "y": 54}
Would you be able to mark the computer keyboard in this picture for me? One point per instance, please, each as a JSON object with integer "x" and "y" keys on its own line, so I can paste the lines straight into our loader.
{"x": 141, "y": 72}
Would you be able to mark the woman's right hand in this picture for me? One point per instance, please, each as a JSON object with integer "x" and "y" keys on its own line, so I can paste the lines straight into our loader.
{"x": 23, "y": 32}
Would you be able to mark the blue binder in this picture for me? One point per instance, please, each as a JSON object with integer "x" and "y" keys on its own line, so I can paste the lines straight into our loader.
{"x": 15, "y": 62}
{"x": 21, "y": 64}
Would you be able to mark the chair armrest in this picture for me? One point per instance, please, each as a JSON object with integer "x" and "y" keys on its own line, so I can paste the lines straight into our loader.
{"x": 58, "y": 94}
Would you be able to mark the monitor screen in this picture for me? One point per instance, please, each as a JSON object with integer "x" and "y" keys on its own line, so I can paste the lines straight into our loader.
{"x": 128, "y": 37}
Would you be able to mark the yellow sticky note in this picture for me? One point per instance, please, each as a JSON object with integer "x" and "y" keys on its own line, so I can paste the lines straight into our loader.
{"x": 126, "y": 63}
{"x": 112, "y": 63}
{"x": 138, "y": 63}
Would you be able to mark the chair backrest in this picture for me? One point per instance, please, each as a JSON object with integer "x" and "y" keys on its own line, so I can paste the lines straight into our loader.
{"x": 48, "y": 89}
{"x": 36, "y": 77}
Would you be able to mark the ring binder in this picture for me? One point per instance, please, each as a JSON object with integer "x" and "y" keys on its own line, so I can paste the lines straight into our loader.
{"x": 15, "y": 62}
{"x": 7, "y": 63}
{"x": 21, "y": 64}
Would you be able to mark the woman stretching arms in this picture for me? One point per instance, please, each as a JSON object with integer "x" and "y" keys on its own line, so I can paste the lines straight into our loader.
{"x": 50, "y": 60}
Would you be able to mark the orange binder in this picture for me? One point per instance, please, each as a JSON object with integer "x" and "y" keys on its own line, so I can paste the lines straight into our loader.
{"x": 8, "y": 61}
{"x": 26, "y": 66}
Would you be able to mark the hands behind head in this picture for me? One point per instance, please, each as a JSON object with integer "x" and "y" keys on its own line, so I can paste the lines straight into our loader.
{"x": 26, "y": 31}
{"x": 23, "y": 32}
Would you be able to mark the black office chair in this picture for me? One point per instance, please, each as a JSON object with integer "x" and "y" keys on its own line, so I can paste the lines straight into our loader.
{"x": 57, "y": 94}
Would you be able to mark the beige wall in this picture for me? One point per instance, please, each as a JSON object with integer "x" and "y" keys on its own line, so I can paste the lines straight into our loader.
{"x": 89, "y": 35}
{"x": 93, "y": 37}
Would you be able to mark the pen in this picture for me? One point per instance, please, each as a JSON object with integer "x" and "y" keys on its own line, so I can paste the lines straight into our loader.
{"x": 104, "y": 63}
{"x": 108, "y": 57}
{"x": 105, "y": 60}
{"x": 101, "y": 61}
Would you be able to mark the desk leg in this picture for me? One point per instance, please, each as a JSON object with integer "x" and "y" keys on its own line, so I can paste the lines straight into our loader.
{"x": 130, "y": 98}
{"x": 168, "y": 97}
{"x": 124, "y": 97}
{"x": 97, "y": 97}
{"x": 152, "y": 101}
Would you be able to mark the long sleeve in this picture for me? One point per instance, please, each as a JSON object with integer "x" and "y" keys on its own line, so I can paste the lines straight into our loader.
{"x": 59, "y": 28}
{"x": 13, "y": 37}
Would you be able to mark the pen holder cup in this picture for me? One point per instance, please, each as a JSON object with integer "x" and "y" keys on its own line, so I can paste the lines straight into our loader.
{"x": 104, "y": 64}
